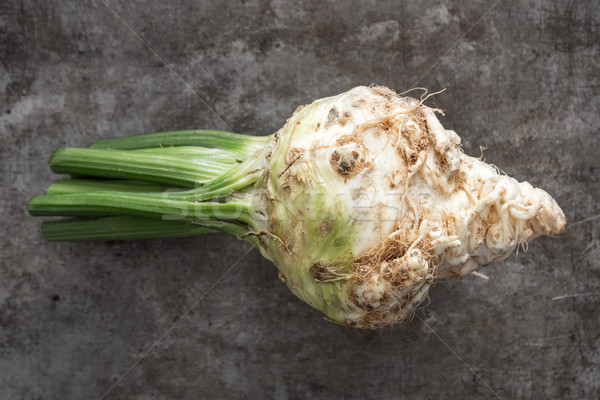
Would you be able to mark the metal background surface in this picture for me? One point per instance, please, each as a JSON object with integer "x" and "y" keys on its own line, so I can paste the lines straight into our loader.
{"x": 160, "y": 320}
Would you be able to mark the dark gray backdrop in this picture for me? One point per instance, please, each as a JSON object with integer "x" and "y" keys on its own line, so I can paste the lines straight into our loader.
{"x": 160, "y": 320}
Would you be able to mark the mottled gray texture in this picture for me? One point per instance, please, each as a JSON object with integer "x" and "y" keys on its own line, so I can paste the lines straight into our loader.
{"x": 523, "y": 81}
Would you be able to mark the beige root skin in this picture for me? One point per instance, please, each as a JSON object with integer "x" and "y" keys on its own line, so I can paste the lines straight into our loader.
{"x": 475, "y": 216}
{"x": 444, "y": 214}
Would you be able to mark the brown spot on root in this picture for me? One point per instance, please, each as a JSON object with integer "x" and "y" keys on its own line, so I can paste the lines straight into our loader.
{"x": 348, "y": 158}
{"x": 292, "y": 156}
{"x": 347, "y": 163}
{"x": 346, "y": 116}
{"x": 332, "y": 115}
{"x": 414, "y": 139}
{"x": 378, "y": 126}
{"x": 325, "y": 228}
{"x": 282, "y": 277}
{"x": 384, "y": 92}
{"x": 413, "y": 158}
{"x": 359, "y": 103}
{"x": 344, "y": 167}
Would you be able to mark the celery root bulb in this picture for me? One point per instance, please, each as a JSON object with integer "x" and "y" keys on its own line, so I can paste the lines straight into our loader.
{"x": 362, "y": 200}
{"x": 367, "y": 201}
